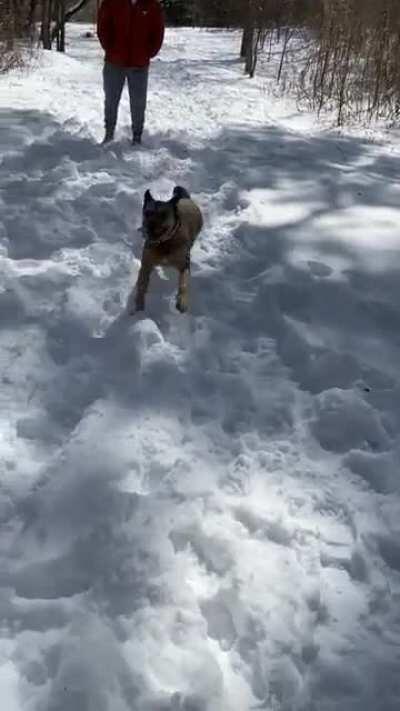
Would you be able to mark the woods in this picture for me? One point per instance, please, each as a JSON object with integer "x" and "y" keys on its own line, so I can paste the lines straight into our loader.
{"x": 349, "y": 50}
{"x": 23, "y": 21}
{"x": 54, "y": 16}
{"x": 353, "y": 63}
{"x": 16, "y": 31}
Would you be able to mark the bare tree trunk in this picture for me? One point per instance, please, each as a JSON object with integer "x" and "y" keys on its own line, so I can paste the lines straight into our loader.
{"x": 62, "y": 30}
{"x": 45, "y": 32}
{"x": 246, "y": 38}
{"x": 63, "y": 16}
{"x": 8, "y": 26}
{"x": 343, "y": 76}
{"x": 59, "y": 29}
{"x": 32, "y": 17}
{"x": 250, "y": 47}
{"x": 74, "y": 9}
{"x": 288, "y": 34}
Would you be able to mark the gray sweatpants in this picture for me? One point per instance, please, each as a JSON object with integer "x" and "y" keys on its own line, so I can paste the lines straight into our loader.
{"x": 113, "y": 80}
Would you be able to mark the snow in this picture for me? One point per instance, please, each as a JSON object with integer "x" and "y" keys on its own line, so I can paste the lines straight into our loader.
{"x": 201, "y": 512}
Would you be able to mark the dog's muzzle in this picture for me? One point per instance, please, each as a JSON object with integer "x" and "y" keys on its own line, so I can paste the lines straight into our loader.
{"x": 151, "y": 242}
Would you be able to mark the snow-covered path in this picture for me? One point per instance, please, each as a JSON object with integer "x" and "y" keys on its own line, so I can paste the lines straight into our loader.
{"x": 198, "y": 513}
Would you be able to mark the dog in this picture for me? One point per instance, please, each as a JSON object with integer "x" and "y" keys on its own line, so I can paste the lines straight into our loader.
{"x": 169, "y": 229}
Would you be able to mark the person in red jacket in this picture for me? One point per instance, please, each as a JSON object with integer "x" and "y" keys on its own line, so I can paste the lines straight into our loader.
{"x": 131, "y": 33}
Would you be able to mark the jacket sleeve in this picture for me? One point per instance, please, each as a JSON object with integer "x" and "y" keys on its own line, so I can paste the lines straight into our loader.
{"x": 157, "y": 29}
{"x": 104, "y": 24}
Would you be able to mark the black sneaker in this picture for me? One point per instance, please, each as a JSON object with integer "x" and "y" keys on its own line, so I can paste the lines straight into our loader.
{"x": 137, "y": 139}
{"x": 108, "y": 137}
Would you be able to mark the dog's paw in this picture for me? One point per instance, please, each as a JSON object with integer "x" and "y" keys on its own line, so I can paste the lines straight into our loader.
{"x": 182, "y": 304}
{"x": 137, "y": 303}
{"x": 134, "y": 307}
{"x": 134, "y": 303}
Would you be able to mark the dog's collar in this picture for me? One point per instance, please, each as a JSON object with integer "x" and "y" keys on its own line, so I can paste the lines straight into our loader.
{"x": 165, "y": 237}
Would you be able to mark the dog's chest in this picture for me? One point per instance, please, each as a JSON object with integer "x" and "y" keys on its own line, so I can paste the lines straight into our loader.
{"x": 170, "y": 252}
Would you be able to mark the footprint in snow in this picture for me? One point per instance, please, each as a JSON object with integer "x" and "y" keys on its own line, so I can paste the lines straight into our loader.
{"x": 319, "y": 269}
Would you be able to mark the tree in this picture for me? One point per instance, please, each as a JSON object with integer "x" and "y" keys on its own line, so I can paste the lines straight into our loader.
{"x": 354, "y": 59}
{"x": 45, "y": 31}
{"x": 179, "y": 12}
{"x": 349, "y": 49}
{"x": 55, "y": 15}
{"x": 16, "y": 31}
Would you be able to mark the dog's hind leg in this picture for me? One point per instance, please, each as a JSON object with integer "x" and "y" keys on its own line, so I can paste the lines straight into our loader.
{"x": 182, "y": 297}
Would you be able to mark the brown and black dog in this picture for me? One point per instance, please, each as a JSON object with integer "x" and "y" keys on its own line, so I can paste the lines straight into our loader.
{"x": 169, "y": 230}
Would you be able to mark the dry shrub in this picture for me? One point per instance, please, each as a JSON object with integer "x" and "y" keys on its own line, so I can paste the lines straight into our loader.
{"x": 354, "y": 63}
{"x": 16, "y": 32}
{"x": 350, "y": 49}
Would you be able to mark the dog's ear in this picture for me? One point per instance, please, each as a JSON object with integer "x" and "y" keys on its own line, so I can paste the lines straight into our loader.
{"x": 148, "y": 199}
{"x": 180, "y": 193}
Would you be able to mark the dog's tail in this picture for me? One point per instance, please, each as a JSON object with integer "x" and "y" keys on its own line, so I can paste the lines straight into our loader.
{"x": 180, "y": 193}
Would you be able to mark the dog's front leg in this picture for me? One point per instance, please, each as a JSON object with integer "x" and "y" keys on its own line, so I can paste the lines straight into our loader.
{"x": 142, "y": 283}
{"x": 182, "y": 298}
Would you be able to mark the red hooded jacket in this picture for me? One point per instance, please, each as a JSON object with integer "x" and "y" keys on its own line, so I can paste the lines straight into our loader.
{"x": 130, "y": 34}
